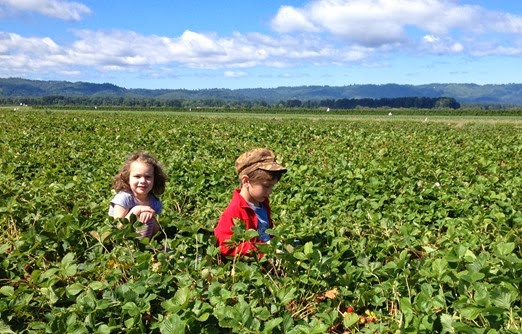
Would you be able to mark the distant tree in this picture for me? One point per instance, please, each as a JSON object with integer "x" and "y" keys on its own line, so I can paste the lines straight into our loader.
{"x": 293, "y": 103}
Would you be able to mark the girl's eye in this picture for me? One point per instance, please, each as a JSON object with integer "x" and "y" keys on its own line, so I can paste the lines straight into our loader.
{"x": 148, "y": 178}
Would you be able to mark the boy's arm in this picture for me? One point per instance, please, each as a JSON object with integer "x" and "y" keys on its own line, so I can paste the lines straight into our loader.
{"x": 223, "y": 233}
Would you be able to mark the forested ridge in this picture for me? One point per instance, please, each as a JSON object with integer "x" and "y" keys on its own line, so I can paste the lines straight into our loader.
{"x": 508, "y": 94}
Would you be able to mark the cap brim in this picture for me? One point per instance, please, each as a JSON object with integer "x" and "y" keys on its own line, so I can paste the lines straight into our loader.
{"x": 268, "y": 166}
{"x": 271, "y": 166}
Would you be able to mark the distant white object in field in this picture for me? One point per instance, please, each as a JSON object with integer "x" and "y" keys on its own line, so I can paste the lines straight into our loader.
{"x": 436, "y": 184}
{"x": 426, "y": 119}
{"x": 327, "y": 109}
{"x": 389, "y": 114}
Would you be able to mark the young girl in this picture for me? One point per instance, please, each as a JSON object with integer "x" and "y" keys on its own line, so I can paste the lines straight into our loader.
{"x": 138, "y": 184}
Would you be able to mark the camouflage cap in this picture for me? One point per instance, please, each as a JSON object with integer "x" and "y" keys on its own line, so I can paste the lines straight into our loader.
{"x": 258, "y": 158}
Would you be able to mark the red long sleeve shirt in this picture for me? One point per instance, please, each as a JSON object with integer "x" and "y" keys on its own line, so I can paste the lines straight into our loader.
{"x": 238, "y": 208}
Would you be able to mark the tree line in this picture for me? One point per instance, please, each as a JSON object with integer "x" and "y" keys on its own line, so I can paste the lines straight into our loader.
{"x": 140, "y": 102}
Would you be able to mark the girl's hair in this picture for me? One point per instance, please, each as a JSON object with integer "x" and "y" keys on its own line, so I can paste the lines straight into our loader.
{"x": 121, "y": 180}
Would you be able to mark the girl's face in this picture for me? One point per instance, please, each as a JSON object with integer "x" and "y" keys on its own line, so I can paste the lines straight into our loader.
{"x": 141, "y": 179}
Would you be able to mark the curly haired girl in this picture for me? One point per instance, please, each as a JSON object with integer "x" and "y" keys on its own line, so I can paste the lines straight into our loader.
{"x": 138, "y": 184}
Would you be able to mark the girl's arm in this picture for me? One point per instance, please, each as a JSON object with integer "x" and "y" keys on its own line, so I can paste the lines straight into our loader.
{"x": 143, "y": 212}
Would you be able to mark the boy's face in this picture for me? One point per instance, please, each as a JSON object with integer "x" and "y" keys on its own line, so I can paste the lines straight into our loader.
{"x": 258, "y": 191}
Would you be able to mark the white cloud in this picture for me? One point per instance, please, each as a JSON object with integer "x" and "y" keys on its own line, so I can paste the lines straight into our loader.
{"x": 14, "y": 44}
{"x": 504, "y": 23}
{"x": 444, "y": 45}
{"x": 383, "y": 22}
{"x": 118, "y": 50}
{"x": 291, "y": 19}
{"x": 489, "y": 48}
{"x": 235, "y": 74}
{"x": 65, "y": 10}
{"x": 324, "y": 32}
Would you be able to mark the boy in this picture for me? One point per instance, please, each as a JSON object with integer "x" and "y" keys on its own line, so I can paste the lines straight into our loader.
{"x": 258, "y": 172}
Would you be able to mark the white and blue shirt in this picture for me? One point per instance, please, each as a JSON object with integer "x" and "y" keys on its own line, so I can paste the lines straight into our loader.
{"x": 262, "y": 222}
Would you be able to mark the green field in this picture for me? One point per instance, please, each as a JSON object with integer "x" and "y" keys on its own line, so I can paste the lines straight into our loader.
{"x": 413, "y": 224}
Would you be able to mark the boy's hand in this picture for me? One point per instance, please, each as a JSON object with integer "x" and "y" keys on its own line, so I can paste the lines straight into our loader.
{"x": 278, "y": 250}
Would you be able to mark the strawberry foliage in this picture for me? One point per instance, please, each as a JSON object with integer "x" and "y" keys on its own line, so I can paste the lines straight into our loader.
{"x": 384, "y": 226}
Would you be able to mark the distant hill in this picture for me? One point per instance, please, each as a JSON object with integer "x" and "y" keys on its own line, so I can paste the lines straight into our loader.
{"x": 463, "y": 93}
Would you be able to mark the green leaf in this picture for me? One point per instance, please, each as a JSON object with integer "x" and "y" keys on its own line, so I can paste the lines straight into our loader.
{"x": 469, "y": 256}
{"x": 262, "y": 314}
{"x": 7, "y": 290}
{"x": 286, "y": 294}
{"x": 4, "y": 247}
{"x": 131, "y": 308}
{"x": 447, "y": 323}
{"x": 502, "y": 298}
{"x": 50, "y": 294}
{"x": 407, "y": 310}
{"x": 128, "y": 293}
{"x": 350, "y": 319}
{"x": 129, "y": 323}
{"x": 96, "y": 285}
{"x": 172, "y": 325}
{"x": 308, "y": 248}
{"x": 182, "y": 297}
{"x": 103, "y": 329}
{"x": 69, "y": 270}
{"x": 87, "y": 300}
{"x": 203, "y": 317}
{"x": 103, "y": 304}
{"x": 100, "y": 237}
{"x": 67, "y": 259}
{"x": 71, "y": 320}
{"x": 471, "y": 312}
{"x": 504, "y": 248}
{"x": 4, "y": 328}
{"x": 246, "y": 314}
{"x": 250, "y": 234}
{"x": 439, "y": 267}
{"x": 74, "y": 289}
{"x": 471, "y": 276}
{"x": 269, "y": 325}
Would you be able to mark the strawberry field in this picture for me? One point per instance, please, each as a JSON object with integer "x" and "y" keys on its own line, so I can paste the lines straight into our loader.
{"x": 385, "y": 225}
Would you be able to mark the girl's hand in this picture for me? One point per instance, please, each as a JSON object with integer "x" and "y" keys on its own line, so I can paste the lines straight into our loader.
{"x": 143, "y": 212}
{"x": 145, "y": 217}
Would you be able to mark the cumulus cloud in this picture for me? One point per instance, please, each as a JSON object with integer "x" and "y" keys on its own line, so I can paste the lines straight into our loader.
{"x": 321, "y": 32}
{"x": 441, "y": 45}
{"x": 503, "y": 23}
{"x": 383, "y": 22}
{"x": 64, "y": 10}
{"x": 197, "y": 50}
{"x": 118, "y": 50}
{"x": 235, "y": 74}
{"x": 292, "y": 19}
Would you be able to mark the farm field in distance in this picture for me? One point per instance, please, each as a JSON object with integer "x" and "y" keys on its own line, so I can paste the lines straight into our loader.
{"x": 396, "y": 224}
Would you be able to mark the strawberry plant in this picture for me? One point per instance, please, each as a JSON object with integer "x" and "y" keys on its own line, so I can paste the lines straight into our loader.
{"x": 380, "y": 226}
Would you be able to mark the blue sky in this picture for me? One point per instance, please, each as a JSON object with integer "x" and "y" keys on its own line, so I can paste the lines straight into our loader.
{"x": 258, "y": 43}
